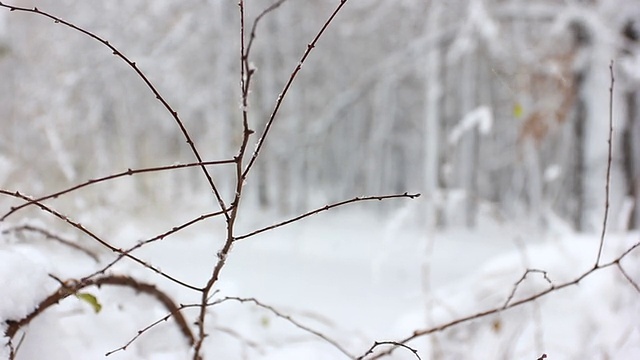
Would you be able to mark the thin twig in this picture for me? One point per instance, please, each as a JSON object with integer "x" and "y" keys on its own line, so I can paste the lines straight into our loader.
{"x": 173, "y": 230}
{"x": 254, "y": 27}
{"x": 609, "y": 161}
{"x": 287, "y": 86}
{"x": 325, "y": 208}
{"x": 629, "y": 279}
{"x": 145, "y": 79}
{"x": 395, "y": 344}
{"x": 482, "y": 314}
{"x": 13, "y": 351}
{"x": 285, "y": 317}
{"x": 52, "y": 236}
{"x": 236, "y": 335}
{"x": 128, "y": 172}
{"x": 522, "y": 278}
{"x": 92, "y": 235}
{"x": 554, "y": 287}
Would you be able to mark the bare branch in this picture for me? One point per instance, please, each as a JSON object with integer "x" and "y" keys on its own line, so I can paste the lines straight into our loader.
{"x": 395, "y": 344}
{"x": 325, "y": 208}
{"x": 246, "y": 73}
{"x": 522, "y": 278}
{"x": 173, "y": 230}
{"x": 609, "y": 161}
{"x": 285, "y": 317}
{"x": 72, "y": 287}
{"x": 128, "y": 172}
{"x": 83, "y": 229}
{"x": 482, "y": 314}
{"x": 626, "y": 276}
{"x": 254, "y": 27}
{"x": 287, "y": 86}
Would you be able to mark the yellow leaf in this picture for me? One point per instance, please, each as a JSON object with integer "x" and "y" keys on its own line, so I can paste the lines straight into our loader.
{"x": 264, "y": 321}
{"x": 91, "y": 300}
{"x": 518, "y": 110}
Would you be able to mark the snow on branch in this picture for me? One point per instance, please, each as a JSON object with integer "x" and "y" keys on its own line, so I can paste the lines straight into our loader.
{"x": 481, "y": 118}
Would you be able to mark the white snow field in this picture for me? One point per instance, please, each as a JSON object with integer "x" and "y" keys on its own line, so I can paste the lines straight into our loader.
{"x": 350, "y": 275}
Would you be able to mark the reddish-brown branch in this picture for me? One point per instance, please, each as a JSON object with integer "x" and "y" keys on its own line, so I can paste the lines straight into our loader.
{"x": 246, "y": 73}
{"x": 72, "y": 287}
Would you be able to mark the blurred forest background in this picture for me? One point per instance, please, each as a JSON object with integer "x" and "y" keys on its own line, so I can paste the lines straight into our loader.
{"x": 498, "y": 104}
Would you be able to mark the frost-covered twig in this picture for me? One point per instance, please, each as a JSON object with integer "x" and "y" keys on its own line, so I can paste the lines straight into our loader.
{"x": 522, "y": 278}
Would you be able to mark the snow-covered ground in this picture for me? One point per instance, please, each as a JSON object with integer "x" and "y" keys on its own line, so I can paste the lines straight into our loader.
{"x": 353, "y": 276}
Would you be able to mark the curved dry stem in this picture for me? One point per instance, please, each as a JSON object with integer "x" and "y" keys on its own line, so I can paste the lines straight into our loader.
{"x": 71, "y": 287}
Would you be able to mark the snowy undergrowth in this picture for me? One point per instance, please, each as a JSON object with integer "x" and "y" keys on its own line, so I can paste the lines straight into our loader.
{"x": 346, "y": 277}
